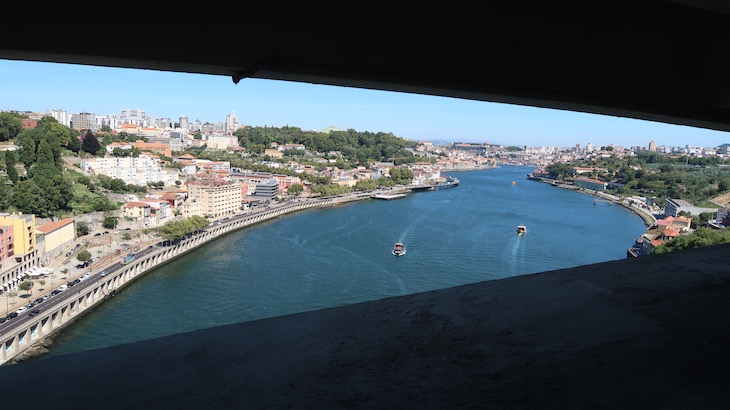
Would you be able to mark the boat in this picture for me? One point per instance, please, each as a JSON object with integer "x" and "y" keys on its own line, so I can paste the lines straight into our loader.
{"x": 399, "y": 250}
{"x": 521, "y": 229}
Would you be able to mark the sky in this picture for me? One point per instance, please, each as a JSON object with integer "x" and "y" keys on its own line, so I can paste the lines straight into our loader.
{"x": 42, "y": 87}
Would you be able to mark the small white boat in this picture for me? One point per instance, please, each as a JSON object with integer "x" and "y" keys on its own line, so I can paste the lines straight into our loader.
{"x": 521, "y": 229}
{"x": 399, "y": 250}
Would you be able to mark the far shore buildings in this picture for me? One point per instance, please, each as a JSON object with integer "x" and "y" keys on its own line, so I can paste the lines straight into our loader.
{"x": 588, "y": 183}
{"x": 673, "y": 207}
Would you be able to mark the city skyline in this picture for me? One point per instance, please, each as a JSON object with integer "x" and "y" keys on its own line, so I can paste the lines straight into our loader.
{"x": 42, "y": 87}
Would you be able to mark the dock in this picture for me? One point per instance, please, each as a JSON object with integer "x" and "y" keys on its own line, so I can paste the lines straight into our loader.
{"x": 388, "y": 197}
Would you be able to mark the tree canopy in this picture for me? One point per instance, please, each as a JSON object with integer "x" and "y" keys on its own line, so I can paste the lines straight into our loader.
{"x": 10, "y": 125}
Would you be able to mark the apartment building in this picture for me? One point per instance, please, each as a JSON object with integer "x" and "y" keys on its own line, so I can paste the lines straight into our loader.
{"x": 218, "y": 197}
{"x": 137, "y": 171}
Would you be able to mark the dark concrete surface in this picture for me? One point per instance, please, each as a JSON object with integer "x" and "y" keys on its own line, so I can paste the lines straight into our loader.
{"x": 650, "y": 333}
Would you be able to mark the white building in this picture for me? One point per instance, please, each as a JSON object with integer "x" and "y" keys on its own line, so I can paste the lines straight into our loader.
{"x": 62, "y": 117}
{"x": 231, "y": 123}
{"x": 137, "y": 171}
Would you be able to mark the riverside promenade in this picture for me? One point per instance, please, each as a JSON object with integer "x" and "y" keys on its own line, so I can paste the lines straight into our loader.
{"x": 27, "y": 336}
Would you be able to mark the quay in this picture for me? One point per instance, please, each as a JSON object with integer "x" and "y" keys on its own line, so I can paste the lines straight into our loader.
{"x": 24, "y": 336}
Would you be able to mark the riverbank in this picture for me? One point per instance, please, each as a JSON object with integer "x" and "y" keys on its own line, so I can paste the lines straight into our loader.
{"x": 648, "y": 218}
{"x": 17, "y": 330}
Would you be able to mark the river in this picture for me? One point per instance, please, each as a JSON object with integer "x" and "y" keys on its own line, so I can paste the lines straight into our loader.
{"x": 336, "y": 256}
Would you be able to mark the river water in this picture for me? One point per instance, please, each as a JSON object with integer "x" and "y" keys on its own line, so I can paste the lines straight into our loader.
{"x": 337, "y": 256}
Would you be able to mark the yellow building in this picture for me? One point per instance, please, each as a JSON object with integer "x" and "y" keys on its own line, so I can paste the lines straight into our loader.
{"x": 191, "y": 207}
{"x": 24, "y": 238}
{"x": 25, "y": 250}
{"x": 218, "y": 197}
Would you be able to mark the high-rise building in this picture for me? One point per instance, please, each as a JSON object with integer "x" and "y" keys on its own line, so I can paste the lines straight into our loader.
{"x": 138, "y": 117}
{"x": 231, "y": 123}
{"x": 184, "y": 123}
{"x": 84, "y": 121}
{"x": 62, "y": 116}
{"x": 652, "y": 146}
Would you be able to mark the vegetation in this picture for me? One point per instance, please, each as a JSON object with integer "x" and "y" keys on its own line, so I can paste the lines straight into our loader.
{"x": 655, "y": 175}
{"x": 702, "y": 236}
{"x": 356, "y": 148}
{"x": 83, "y": 256}
{"x": 176, "y": 230}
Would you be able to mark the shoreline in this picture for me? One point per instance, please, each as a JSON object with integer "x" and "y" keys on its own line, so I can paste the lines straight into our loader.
{"x": 39, "y": 348}
{"x": 648, "y": 219}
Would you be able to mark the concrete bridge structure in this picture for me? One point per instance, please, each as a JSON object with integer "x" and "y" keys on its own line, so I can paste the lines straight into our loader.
{"x": 646, "y": 333}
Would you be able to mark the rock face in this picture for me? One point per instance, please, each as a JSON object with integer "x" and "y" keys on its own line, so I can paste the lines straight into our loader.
{"x": 650, "y": 332}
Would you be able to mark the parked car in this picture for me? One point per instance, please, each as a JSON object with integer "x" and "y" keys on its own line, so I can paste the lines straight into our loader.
{"x": 12, "y": 315}
{"x": 2, "y": 320}
{"x": 38, "y": 300}
{"x": 56, "y": 292}
{"x": 21, "y": 309}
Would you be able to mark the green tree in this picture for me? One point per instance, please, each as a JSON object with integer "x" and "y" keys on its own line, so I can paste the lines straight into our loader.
{"x": 4, "y": 194}
{"x": 90, "y": 143}
{"x": 26, "y": 150}
{"x": 10, "y": 125}
{"x": 10, "y": 166}
{"x": 295, "y": 189}
{"x": 45, "y": 165}
{"x": 74, "y": 144}
{"x": 29, "y": 198}
{"x": 82, "y": 228}
{"x": 25, "y": 286}
{"x": 110, "y": 222}
{"x": 83, "y": 256}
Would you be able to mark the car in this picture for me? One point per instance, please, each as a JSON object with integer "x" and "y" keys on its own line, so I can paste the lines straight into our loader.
{"x": 21, "y": 309}
{"x": 102, "y": 273}
{"x": 97, "y": 234}
{"x": 2, "y": 320}
{"x": 68, "y": 254}
{"x": 47, "y": 296}
{"x": 12, "y": 315}
{"x": 38, "y": 300}
{"x": 34, "y": 312}
{"x": 105, "y": 232}
{"x": 80, "y": 266}
{"x": 56, "y": 292}
{"x": 62, "y": 288}
{"x": 150, "y": 247}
